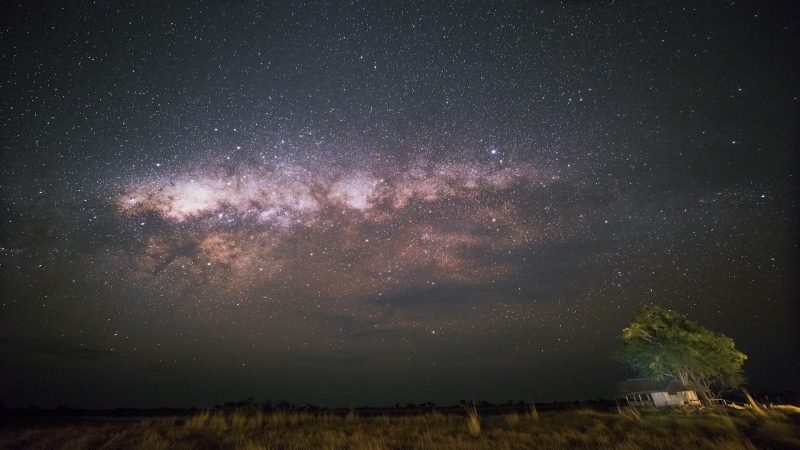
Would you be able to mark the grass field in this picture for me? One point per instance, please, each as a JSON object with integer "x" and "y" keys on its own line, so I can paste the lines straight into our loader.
{"x": 253, "y": 429}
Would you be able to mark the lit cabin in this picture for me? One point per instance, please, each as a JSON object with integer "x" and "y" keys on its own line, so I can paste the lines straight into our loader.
{"x": 658, "y": 393}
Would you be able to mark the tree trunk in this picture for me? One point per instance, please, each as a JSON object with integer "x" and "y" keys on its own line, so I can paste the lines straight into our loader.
{"x": 700, "y": 387}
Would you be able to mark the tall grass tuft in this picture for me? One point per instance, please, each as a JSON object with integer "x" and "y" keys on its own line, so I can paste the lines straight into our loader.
{"x": 511, "y": 419}
{"x": 152, "y": 440}
{"x": 533, "y": 412}
{"x": 352, "y": 416}
{"x": 216, "y": 422}
{"x": 473, "y": 421}
{"x": 629, "y": 412}
{"x": 198, "y": 421}
{"x": 237, "y": 420}
{"x": 256, "y": 420}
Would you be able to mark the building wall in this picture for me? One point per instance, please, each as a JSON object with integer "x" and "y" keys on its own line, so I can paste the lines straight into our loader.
{"x": 665, "y": 399}
{"x": 679, "y": 398}
{"x": 691, "y": 397}
{"x": 660, "y": 399}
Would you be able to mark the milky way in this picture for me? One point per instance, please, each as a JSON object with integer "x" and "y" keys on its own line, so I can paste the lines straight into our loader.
{"x": 378, "y": 203}
{"x": 339, "y": 232}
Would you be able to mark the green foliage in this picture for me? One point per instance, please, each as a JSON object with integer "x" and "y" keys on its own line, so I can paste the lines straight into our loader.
{"x": 661, "y": 343}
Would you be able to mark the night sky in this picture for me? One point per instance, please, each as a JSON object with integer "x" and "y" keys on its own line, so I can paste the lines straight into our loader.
{"x": 370, "y": 203}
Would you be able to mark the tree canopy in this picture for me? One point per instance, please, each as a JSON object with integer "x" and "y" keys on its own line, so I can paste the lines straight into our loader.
{"x": 660, "y": 343}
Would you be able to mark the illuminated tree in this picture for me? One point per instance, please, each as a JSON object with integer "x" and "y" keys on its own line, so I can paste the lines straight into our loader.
{"x": 665, "y": 344}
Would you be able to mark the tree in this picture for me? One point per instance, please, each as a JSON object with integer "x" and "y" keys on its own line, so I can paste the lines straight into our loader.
{"x": 665, "y": 344}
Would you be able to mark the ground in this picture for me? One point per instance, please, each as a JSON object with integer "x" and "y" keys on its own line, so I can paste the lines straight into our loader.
{"x": 624, "y": 428}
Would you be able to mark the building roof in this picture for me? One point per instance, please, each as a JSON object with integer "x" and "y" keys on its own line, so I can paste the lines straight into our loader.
{"x": 642, "y": 385}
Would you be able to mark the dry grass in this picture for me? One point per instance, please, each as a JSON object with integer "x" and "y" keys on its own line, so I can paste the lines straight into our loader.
{"x": 473, "y": 421}
{"x": 533, "y": 413}
{"x": 582, "y": 428}
{"x": 630, "y": 412}
{"x": 511, "y": 419}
